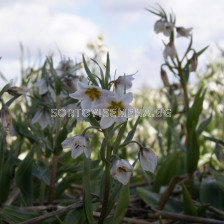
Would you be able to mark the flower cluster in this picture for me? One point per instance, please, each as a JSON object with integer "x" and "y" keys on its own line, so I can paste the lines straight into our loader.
{"x": 110, "y": 96}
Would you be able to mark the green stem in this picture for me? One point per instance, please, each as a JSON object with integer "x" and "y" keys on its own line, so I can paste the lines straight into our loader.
{"x": 186, "y": 103}
{"x": 55, "y": 157}
{"x": 107, "y": 186}
{"x": 184, "y": 86}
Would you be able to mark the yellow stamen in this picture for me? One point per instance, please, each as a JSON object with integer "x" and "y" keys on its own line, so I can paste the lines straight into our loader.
{"x": 93, "y": 93}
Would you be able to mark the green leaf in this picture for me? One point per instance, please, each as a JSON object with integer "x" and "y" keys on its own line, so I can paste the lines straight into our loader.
{"x": 195, "y": 111}
{"x": 176, "y": 136}
{"x": 122, "y": 205}
{"x": 214, "y": 140}
{"x": 107, "y": 74}
{"x": 4, "y": 89}
{"x": 202, "y": 209}
{"x": 113, "y": 196}
{"x": 152, "y": 199}
{"x": 61, "y": 137}
{"x": 211, "y": 193}
{"x": 87, "y": 191}
{"x": 201, "y": 51}
{"x": 43, "y": 172}
{"x": 24, "y": 178}
{"x": 106, "y": 139}
{"x": 93, "y": 120}
{"x": 132, "y": 132}
{"x": 88, "y": 72}
{"x": 189, "y": 208}
{"x": 193, "y": 152}
{"x": 57, "y": 81}
{"x": 5, "y": 181}
{"x": 102, "y": 82}
{"x": 203, "y": 125}
{"x": 219, "y": 178}
{"x": 119, "y": 138}
{"x": 172, "y": 165}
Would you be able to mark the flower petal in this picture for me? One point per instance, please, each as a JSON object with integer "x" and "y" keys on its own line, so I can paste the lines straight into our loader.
{"x": 148, "y": 160}
{"x": 76, "y": 152}
{"x": 106, "y": 122}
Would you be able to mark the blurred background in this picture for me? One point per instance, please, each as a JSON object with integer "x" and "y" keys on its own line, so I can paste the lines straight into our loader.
{"x": 69, "y": 27}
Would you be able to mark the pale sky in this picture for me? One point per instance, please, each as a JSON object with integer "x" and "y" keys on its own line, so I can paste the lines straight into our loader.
{"x": 48, "y": 26}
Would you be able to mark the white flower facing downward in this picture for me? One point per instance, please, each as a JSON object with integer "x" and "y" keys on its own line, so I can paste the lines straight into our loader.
{"x": 168, "y": 28}
{"x": 169, "y": 51}
{"x": 79, "y": 144}
{"x": 148, "y": 159}
{"x": 42, "y": 85}
{"x": 123, "y": 83}
{"x": 115, "y": 109}
{"x": 89, "y": 95}
{"x": 159, "y": 26}
{"x": 183, "y": 32}
{"x": 121, "y": 170}
{"x": 43, "y": 118}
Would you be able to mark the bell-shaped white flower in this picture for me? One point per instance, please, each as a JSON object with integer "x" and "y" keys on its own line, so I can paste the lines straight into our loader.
{"x": 43, "y": 118}
{"x": 89, "y": 95}
{"x": 121, "y": 170}
{"x": 183, "y": 32}
{"x": 79, "y": 144}
{"x": 169, "y": 51}
{"x": 6, "y": 117}
{"x": 148, "y": 159}
{"x": 42, "y": 85}
{"x": 66, "y": 67}
{"x": 123, "y": 83}
{"x": 159, "y": 26}
{"x": 115, "y": 109}
{"x": 167, "y": 28}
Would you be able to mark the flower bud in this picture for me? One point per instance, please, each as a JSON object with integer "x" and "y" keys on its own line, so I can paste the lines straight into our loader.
{"x": 148, "y": 159}
{"x": 169, "y": 51}
{"x": 194, "y": 62}
{"x": 16, "y": 91}
{"x": 164, "y": 77}
{"x": 6, "y": 117}
{"x": 183, "y": 32}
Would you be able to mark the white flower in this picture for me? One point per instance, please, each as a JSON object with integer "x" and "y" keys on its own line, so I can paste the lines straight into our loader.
{"x": 78, "y": 144}
{"x": 167, "y": 28}
{"x": 169, "y": 51}
{"x": 123, "y": 83}
{"x": 121, "y": 170}
{"x": 184, "y": 32}
{"x": 115, "y": 108}
{"x": 159, "y": 26}
{"x": 43, "y": 118}
{"x": 42, "y": 85}
{"x": 148, "y": 159}
{"x": 66, "y": 67}
{"x": 89, "y": 95}
{"x": 6, "y": 117}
